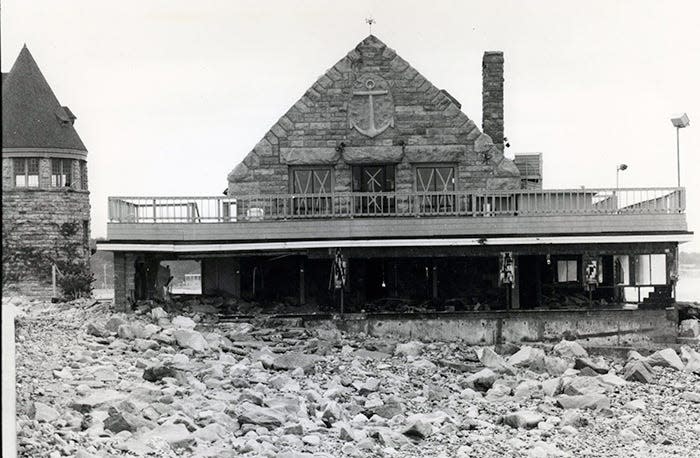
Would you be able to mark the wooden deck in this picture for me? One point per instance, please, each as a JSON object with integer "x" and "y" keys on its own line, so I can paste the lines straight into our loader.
{"x": 393, "y": 215}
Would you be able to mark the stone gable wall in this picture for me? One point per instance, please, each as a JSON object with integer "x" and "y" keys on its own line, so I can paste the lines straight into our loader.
{"x": 32, "y": 218}
{"x": 428, "y": 127}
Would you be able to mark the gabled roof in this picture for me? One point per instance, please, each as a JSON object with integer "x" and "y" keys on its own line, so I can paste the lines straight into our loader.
{"x": 32, "y": 117}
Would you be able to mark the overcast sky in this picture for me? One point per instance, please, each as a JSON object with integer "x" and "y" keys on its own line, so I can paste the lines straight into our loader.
{"x": 170, "y": 95}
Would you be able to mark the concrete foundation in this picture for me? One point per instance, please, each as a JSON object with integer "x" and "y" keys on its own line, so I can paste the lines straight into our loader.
{"x": 635, "y": 328}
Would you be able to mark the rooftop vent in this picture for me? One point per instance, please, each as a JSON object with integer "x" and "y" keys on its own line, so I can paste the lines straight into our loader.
{"x": 65, "y": 116}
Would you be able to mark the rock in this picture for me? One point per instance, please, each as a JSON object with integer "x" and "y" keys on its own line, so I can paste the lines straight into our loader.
{"x": 528, "y": 389}
{"x": 586, "y": 401}
{"x": 157, "y": 372}
{"x": 141, "y": 345}
{"x": 263, "y": 416}
{"x": 493, "y": 360}
{"x": 118, "y": 421}
{"x": 598, "y": 364}
{"x": 691, "y": 396}
{"x": 158, "y": 313}
{"x": 388, "y": 410}
{"x": 423, "y": 365}
{"x": 104, "y": 374}
{"x": 666, "y": 358}
{"x": 498, "y": 392}
{"x": 126, "y": 332}
{"x": 113, "y": 324}
{"x": 370, "y": 354}
{"x": 532, "y": 358}
{"x": 42, "y": 412}
{"x": 331, "y": 413}
{"x": 96, "y": 330}
{"x": 210, "y": 433}
{"x": 294, "y": 360}
{"x": 96, "y": 399}
{"x": 638, "y": 371}
{"x": 637, "y": 404}
{"x": 64, "y": 374}
{"x": 418, "y": 429}
{"x": 584, "y": 385}
{"x": 692, "y": 359}
{"x": 312, "y": 440}
{"x": 172, "y": 433}
{"x": 482, "y": 380}
{"x": 413, "y": 348}
{"x": 570, "y": 349}
{"x": 612, "y": 381}
{"x": 523, "y": 419}
{"x": 689, "y": 328}
{"x": 345, "y": 431}
{"x": 190, "y": 339}
{"x": 573, "y": 418}
{"x": 545, "y": 450}
{"x": 183, "y": 322}
{"x": 551, "y": 387}
{"x": 555, "y": 366}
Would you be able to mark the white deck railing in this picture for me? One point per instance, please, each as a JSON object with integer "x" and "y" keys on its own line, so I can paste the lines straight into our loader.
{"x": 477, "y": 203}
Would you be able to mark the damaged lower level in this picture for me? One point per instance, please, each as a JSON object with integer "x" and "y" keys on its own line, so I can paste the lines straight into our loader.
{"x": 414, "y": 278}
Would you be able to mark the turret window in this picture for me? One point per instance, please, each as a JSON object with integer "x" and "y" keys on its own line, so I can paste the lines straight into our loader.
{"x": 26, "y": 171}
{"x": 61, "y": 173}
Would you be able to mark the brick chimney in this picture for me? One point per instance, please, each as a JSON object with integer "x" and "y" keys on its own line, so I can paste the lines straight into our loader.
{"x": 492, "y": 97}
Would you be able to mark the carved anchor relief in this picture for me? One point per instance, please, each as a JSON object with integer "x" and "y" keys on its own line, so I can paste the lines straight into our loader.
{"x": 374, "y": 114}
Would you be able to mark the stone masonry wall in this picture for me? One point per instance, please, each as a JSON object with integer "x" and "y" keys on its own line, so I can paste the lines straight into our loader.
{"x": 425, "y": 127}
{"x": 32, "y": 218}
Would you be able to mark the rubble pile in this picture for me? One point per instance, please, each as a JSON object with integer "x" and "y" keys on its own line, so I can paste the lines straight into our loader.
{"x": 91, "y": 383}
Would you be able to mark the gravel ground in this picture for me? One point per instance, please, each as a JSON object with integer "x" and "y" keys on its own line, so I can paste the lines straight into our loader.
{"x": 91, "y": 383}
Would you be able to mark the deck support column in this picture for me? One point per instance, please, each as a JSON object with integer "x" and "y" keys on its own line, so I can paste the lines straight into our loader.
{"x": 435, "y": 279}
{"x": 302, "y": 281}
{"x": 515, "y": 290}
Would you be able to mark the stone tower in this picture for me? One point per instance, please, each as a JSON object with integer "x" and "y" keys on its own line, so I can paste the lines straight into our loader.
{"x": 45, "y": 197}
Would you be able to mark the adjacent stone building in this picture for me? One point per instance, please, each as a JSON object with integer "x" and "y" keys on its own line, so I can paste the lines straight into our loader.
{"x": 45, "y": 197}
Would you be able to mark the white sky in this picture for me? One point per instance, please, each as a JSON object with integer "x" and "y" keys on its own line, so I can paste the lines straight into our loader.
{"x": 170, "y": 95}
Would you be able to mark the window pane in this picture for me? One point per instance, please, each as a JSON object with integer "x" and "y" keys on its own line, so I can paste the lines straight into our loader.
{"x": 19, "y": 166}
{"x": 20, "y": 181}
{"x": 658, "y": 269}
{"x": 561, "y": 271}
{"x": 322, "y": 181}
{"x": 444, "y": 179}
{"x": 572, "y": 271}
{"x": 425, "y": 179}
{"x": 67, "y": 172}
{"x": 642, "y": 270}
{"x": 83, "y": 175}
{"x": 302, "y": 181}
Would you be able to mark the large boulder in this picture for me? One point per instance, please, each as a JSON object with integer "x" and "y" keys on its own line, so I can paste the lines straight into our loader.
{"x": 187, "y": 338}
{"x": 691, "y": 358}
{"x": 585, "y": 401}
{"x": 113, "y": 324}
{"x": 666, "y": 358}
{"x": 42, "y": 412}
{"x": 183, "y": 322}
{"x": 638, "y": 370}
{"x": 413, "y": 348}
{"x": 584, "y": 385}
{"x": 418, "y": 429}
{"x": 294, "y": 360}
{"x": 157, "y": 372}
{"x": 555, "y": 366}
{"x": 493, "y": 360}
{"x": 523, "y": 419}
{"x": 532, "y": 358}
{"x": 597, "y": 364}
{"x": 482, "y": 380}
{"x": 95, "y": 329}
{"x": 256, "y": 415}
{"x": 570, "y": 349}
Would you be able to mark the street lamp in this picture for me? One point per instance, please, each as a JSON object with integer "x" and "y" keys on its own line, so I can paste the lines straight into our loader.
{"x": 617, "y": 174}
{"x": 679, "y": 122}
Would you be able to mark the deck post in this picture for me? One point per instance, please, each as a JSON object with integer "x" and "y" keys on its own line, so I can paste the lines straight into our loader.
{"x": 302, "y": 282}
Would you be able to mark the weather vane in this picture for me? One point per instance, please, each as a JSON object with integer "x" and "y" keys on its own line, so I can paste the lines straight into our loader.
{"x": 370, "y": 21}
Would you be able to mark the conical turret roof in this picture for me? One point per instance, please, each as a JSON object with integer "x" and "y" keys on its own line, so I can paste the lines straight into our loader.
{"x": 32, "y": 117}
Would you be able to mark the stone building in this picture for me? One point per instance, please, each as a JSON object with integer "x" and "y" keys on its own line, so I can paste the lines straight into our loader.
{"x": 45, "y": 197}
{"x": 376, "y": 184}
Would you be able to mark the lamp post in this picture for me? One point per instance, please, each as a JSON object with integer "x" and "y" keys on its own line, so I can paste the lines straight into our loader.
{"x": 679, "y": 122}
{"x": 617, "y": 174}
